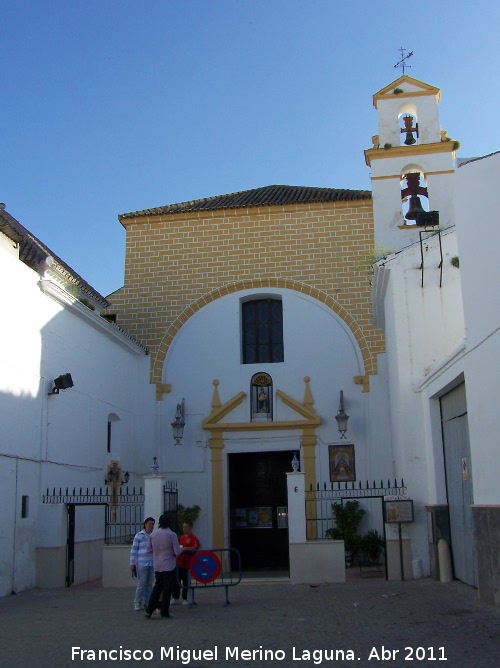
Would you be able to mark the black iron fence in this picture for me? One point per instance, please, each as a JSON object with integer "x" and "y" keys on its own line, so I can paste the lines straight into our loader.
{"x": 319, "y": 501}
{"x": 124, "y": 515}
{"x": 94, "y": 496}
{"x": 170, "y": 503}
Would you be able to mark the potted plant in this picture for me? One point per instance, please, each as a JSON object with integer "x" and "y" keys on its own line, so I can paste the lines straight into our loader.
{"x": 371, "y": 544}
{"x": 347, "y": 519}
{"x": 189, "y": 514}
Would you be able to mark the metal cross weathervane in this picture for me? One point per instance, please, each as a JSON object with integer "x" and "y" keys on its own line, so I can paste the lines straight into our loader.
{"x": 402, "y": 61}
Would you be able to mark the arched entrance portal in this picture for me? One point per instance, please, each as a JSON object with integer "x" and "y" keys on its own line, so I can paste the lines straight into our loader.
{"x": 307, "y": 423}
{"x": 257, "y": 508}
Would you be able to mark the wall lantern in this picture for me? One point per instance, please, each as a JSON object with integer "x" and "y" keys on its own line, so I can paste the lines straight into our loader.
{"x": 341, "y": 417}
{"x": 62, "y": 383}
{"x": 179, "y": 423}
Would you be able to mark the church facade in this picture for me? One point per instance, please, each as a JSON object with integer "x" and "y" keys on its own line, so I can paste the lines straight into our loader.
{"x": 264, "y": 293}
{"x": 267, "y": 316}
{"x": 271, "y": 293}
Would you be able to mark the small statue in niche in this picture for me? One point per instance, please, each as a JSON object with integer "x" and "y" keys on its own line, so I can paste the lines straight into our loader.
{"x": 262, "y": 401}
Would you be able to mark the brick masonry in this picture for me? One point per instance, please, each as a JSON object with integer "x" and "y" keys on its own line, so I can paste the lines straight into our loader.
{"x": 177, "y": 263}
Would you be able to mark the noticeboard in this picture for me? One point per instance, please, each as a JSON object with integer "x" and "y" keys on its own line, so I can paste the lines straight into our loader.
{"x": 260, "y": 517}
{"x": 398, "y": 511}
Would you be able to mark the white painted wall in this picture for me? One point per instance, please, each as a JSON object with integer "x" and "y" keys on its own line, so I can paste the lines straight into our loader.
{"x": 436, "y": 168}
{"x": 479, "y": 240}
{"x": 60, "y": 440}
{"x": 423, "y": 107}
{"x": 437, "y": 337}
{"x": 423, "y": 326}
{"x": 317, "y": 344}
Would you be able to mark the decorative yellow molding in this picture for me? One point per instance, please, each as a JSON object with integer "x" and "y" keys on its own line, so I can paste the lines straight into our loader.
{"x": 364, "y": 381}
{"x": 218, "y": 411}
{"x": 407, "y": 151}
{"x": 425, "y": 89}
{"x": 158, "y": 359}
{"x": 212, "y": 422}
{"x": 216, "y": 443}
{"x": 388, "y": 176}
{"x": 162, "y": 389}
{"x": 439, "y": 172}
{"x": 399, "y": 177}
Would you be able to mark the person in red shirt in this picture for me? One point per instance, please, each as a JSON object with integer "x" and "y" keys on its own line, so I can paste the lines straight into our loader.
{"x": 189, "y": 544}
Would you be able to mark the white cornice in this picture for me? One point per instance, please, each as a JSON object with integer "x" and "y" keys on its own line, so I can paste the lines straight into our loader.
{"x": 109, "y": 329}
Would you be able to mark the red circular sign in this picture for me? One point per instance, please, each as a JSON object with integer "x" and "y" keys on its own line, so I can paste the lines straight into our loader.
{"x": 204, "y": 566}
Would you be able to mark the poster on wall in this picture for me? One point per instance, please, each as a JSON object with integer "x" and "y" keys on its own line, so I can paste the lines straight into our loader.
{"x": 342, "y": 463}
{"x": 260, "y": 517}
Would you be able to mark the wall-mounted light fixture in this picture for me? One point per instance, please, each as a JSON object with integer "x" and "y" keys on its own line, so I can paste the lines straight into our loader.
{"x": 341, "y": 417}
{"x": 179, "y": 423}
{"x": 62, "y": 383}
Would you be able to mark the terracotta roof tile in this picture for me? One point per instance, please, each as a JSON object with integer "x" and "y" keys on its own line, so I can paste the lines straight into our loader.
{"x": 265, "y": 196}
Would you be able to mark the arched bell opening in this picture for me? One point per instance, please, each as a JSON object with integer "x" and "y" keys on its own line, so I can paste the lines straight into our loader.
{"x": 414, "y": 196}
{"x": 408, "y": 124}
{"x": 409, "y": 131}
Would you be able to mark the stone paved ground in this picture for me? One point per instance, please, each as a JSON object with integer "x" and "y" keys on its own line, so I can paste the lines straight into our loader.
{"x": 38, "y": 628}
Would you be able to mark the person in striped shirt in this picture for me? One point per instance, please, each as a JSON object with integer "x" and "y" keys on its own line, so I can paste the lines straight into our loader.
{"x": 141, "y": 564}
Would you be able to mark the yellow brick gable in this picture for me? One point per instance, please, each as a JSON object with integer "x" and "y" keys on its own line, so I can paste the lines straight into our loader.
{"x": 177, "y": 263}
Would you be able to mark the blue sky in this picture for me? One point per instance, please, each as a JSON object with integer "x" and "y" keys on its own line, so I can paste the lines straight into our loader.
{"x": 114, "y": 106}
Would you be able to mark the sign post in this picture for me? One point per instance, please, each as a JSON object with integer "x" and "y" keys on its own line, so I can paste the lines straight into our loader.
{"x": 398, "y": 510}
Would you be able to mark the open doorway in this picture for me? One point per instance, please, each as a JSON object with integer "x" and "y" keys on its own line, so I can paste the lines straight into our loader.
{"x": 258, "y": 509}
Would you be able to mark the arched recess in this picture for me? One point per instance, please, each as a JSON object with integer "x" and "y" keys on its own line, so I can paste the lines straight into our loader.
{"x": 112, "y": 417}
{"x": 413, "y": 187}
{"x": 408, "y": 124}
{"x": 369, "y": 359}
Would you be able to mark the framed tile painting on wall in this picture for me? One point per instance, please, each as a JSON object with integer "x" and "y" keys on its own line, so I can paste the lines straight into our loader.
{"x": 342, "y": 463}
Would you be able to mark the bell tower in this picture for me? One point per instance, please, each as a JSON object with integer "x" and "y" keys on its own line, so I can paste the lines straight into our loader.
{"x": 412, "y": 164}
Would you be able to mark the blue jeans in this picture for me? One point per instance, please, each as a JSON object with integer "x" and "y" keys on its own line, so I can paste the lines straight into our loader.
{"x": 145, "y": 577}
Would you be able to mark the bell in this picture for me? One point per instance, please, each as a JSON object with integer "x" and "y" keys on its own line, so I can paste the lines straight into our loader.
{"x": 414, "y": 208}
{"x": 409, "y": 129}
{"x": 410, "y": 139}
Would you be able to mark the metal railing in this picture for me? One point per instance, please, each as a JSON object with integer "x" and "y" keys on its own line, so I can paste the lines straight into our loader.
{"x": 214, "y": 568}
{"x": 319, "y": 501}
{"x": 170, "y": 503}
{"x": 124, "y": 515}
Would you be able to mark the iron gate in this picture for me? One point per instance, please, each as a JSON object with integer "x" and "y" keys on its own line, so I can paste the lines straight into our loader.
{"x": 123, "y": 514}
{"x": 319, "y": 501}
